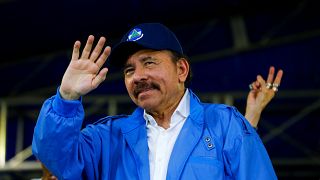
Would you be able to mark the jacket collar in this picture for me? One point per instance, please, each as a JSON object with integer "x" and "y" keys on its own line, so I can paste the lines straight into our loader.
{"x": 196, "y": 109}
{"x": 188, "y": 138}
{"x": 134, "y": 121}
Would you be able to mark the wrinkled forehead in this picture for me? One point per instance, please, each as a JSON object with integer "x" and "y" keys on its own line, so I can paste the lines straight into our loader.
{"x": 145, "y": 54}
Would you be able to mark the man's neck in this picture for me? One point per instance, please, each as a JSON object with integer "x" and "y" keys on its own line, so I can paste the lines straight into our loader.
{"x": 163, "y": 117}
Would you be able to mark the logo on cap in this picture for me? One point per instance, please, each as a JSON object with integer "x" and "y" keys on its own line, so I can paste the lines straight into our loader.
{"x": 135, "y": 34}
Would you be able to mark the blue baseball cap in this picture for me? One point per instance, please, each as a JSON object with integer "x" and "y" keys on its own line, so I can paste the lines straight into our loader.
{"x": 154, "y": 36}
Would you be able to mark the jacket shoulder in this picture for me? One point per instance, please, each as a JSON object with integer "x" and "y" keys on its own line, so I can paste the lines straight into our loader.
{"x": 217, "y": 109}
{"x": 227, "y": 116}
{"x": 110, "y": 119}
{"x": 105, "y": 124}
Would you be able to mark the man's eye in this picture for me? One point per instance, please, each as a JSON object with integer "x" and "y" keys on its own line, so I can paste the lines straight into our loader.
{"x": 128, "y": 71}
{"x": 148, "y": 62}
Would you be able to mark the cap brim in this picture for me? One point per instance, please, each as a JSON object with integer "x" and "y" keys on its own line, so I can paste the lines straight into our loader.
{"x": 121, "y": 52}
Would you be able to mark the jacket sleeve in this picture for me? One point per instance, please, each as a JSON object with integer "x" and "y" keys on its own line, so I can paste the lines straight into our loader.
{"x": 244, "y": 153}
{"x": 58, "y": 142}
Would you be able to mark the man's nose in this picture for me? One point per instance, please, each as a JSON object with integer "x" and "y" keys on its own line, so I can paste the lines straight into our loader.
{"x": 140, "y": 74}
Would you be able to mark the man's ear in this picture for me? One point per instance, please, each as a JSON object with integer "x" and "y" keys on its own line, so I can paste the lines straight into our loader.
{"x": 183, "y": 69}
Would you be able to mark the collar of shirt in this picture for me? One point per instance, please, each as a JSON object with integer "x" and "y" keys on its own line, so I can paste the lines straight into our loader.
{"x": 180, "y": 114}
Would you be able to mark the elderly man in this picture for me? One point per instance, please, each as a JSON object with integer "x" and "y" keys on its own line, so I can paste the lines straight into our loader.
{"x": 171, "y": 134}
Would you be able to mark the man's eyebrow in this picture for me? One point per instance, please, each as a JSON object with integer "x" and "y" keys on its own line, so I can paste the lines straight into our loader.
{"x": 127, "y": 65}
{"x": 148, "y": 58}
{"x": 142, "y": 60}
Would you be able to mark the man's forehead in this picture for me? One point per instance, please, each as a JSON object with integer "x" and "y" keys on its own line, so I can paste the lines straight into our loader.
{"x": 143, "y": 54}
{"x": 141, "y": 57}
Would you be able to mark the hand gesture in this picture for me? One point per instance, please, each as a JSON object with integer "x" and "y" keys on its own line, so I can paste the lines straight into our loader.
{"x": 261, "y": 93}
{"x": 85, "y": 74}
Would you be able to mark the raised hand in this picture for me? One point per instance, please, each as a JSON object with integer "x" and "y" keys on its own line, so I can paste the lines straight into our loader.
{"x": 261, "y": 93}
{"x": 85, "y": 74}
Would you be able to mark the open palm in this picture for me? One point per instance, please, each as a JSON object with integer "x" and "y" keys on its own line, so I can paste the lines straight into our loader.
{"x": 85, "y": 73}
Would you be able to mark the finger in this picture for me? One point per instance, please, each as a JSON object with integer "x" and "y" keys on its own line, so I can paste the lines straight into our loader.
{"x": 75, "y": 51}
{"x": 262, "y": 82}
{"x": 255, "y": 85}
{"x": 100, "y": 77}
{"x": 103, "y": 57}
{"x": 268, "y": 93}
{"x": 97, "y": 50}
{"x": 87, "y": 49}
{"x": 278, "y": 77}
{"x": 270, "y": 75}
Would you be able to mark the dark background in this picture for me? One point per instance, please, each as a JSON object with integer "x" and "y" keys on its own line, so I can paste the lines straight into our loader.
{"x": 36, "y": 39}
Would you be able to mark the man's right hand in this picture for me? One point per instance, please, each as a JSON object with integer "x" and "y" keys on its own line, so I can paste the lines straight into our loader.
{"x": 85, "y": 74}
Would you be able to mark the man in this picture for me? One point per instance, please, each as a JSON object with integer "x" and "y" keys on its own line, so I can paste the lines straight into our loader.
{"x": 171, "y": 135}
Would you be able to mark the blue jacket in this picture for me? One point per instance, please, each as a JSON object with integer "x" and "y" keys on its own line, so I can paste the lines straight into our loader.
{"x": 216, "y": 142}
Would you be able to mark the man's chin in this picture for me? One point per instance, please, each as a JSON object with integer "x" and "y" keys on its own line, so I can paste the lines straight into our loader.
{"x": 147, "y": 105}
{"x": 145, "y": 95}
{"x": 146, "y": 99}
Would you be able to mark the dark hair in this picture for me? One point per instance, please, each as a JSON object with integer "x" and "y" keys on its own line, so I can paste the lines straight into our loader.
{"x": 176, "y": 57}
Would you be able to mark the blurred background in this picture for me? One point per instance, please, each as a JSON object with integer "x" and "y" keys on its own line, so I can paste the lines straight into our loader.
{"x": 229, "y": 43}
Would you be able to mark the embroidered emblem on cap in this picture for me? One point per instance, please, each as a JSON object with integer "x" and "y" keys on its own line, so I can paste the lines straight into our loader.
{"x": 135, "y": 34}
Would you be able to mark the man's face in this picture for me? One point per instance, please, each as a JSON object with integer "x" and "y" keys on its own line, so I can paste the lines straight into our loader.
{"x": 153, "y": 81}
